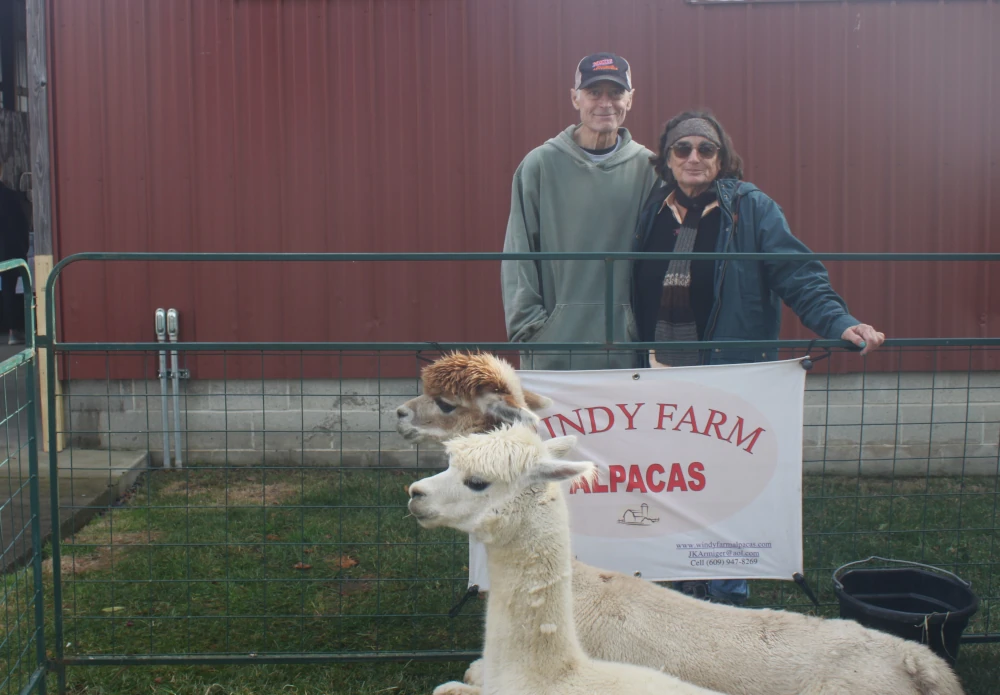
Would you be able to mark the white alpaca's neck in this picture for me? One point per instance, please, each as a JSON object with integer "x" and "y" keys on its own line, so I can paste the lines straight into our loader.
{"x": 529, "y": 621}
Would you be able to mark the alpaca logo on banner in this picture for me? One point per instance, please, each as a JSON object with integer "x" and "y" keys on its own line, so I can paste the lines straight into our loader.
{"x": 699, "y": 469}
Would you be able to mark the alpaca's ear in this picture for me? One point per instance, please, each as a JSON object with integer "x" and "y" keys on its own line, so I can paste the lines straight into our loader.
{"x": 509, "y": 414}
{"x": 558, "y": 447}
{"x": 551, "y": 471}
{"x": 536, "y": 402}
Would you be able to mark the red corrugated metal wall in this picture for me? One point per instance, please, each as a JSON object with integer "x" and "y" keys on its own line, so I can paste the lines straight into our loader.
{"x": 326, "y": 125}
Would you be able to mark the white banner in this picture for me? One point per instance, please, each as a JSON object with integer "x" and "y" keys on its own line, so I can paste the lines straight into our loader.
{"x": 700, "y": 469}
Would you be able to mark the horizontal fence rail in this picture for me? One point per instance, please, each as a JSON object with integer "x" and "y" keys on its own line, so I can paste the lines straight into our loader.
{"x": 283, "y": 537}
{"x": 608, "y": 258}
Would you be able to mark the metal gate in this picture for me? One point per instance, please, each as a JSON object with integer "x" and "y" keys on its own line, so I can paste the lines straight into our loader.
{"x": 22, "y": 648}
{"x": 245, "y": 545}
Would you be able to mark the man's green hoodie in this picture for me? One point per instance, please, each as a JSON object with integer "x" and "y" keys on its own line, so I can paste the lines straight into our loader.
{"x": 561, "y": 200}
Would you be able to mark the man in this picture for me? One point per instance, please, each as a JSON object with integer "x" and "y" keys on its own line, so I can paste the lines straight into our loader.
{"x": 580, "y": 191}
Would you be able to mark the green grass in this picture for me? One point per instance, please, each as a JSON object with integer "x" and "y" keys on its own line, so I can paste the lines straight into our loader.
{"x": 239, "y": 561}
{"x": 943, "y": 522}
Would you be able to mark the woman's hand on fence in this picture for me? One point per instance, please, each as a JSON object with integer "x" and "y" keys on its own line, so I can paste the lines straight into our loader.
{"x": 864, "y": 336}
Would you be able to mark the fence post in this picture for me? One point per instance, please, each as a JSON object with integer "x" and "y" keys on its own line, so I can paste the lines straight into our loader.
{"x": 47, "y": 370}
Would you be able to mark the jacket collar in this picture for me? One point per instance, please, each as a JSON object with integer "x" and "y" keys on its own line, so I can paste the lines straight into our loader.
{"x": 671, "y": 202}
{"x": 729, "y": 190}
{"x": 726, "y": 189}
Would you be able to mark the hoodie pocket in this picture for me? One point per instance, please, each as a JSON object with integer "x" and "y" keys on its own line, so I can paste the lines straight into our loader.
{"x": 571, "y": 323}
{"x": 546, "y": 329}
{"x": 631, "y": 327}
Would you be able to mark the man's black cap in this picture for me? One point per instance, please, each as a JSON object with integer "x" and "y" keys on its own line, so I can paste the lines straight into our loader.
{"x": 603, "y": 66}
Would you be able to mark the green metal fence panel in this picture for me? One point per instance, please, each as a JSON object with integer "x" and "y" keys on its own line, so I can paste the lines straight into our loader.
{"x": 282, "y": 536}
{"x": 22, "y": 632}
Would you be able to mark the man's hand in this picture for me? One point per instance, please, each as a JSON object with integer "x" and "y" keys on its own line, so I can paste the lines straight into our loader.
{"x": 864, "y": 336}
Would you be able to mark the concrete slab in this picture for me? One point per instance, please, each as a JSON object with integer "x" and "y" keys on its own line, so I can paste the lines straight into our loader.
{"x": 91, "y": 463}
{"x": 89, "y": 482}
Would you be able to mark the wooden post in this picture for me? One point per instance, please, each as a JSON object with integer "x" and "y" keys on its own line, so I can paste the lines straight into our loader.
{"x": 43, "y": 268}
{"x": 41, "y": 195}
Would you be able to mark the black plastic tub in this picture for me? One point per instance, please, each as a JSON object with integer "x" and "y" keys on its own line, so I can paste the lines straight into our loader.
{"x": 916, "y": 602}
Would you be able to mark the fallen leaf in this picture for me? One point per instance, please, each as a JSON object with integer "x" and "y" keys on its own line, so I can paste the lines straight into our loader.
{"x": 308, "y": 551}
{"x": 406, "y": 489}
{"x": 129, "y": 624}
{"x": 273, "y": 537}
{"x": 113, "y": 609}
{"x": 157, "y": 680}
{"x": 303, "y": 566}
{"x": 346, "y": 562}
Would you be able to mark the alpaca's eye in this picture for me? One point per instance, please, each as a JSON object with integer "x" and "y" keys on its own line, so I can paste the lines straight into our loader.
{"x": 445, "y": 406}
{"x": 476, "y": 485}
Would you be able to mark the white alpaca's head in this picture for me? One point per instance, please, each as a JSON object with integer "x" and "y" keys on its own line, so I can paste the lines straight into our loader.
{"x": 491, "y": 476}
{"x": 466, "y": 393}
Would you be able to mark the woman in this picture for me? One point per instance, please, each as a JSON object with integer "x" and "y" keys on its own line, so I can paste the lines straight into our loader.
{"x": 700, "y": 204}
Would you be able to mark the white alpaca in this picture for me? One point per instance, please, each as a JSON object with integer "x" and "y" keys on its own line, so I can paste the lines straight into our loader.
{"x": 502, "y": 488}
{"x": 738, "y": 651}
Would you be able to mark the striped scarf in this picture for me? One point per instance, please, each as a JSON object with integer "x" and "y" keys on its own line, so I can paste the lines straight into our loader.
{"x": 676, "y": 318}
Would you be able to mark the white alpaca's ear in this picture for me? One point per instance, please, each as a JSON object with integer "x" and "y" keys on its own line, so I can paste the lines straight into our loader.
{"x": 558, "y": 447}
{"x": 550, "y": 471}
{"x": 509, "y": 414}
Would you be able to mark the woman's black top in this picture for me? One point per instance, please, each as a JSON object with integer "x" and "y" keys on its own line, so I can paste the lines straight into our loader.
{"x": 649, "y": 274}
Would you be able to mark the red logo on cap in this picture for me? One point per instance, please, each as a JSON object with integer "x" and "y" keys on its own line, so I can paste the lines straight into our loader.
{"x": 605, "y": 61}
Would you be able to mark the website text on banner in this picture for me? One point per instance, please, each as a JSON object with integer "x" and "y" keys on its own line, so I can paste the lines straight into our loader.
{"x": 700, "y": 469}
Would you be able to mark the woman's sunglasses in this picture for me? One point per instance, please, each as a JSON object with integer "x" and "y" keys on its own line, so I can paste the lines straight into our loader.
{"x": 706, "y": 150}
